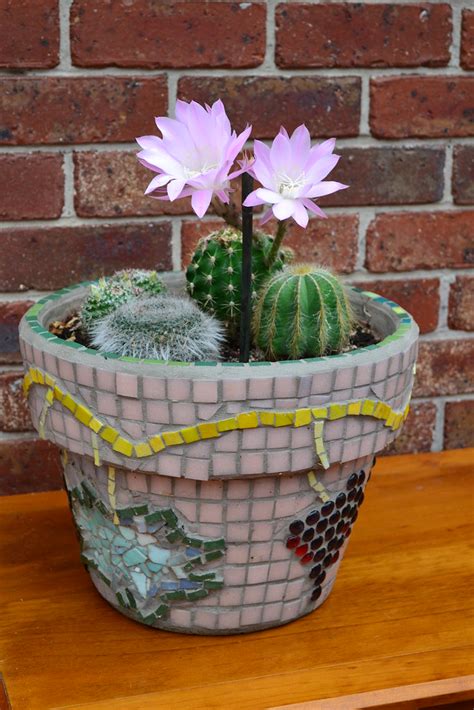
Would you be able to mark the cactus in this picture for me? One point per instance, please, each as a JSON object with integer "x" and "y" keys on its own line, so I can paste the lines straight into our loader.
{"x": 302, "y": 312}
{"x": 159, "y": 328}
{"x": 111, "y": 291}
{"x": 214, "y": 273}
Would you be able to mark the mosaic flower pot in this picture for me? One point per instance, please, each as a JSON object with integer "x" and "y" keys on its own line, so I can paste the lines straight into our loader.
{"x": 216, "y": 498}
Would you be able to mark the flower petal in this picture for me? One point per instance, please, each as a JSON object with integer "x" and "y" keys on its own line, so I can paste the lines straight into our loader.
{"x": 200, "y": 201}
{"x": 266, "y": 216}
{"x": 280, "y": 153}
{"x": 175, "y": 187}
{"x": 321, "y": 168}
{"x": 313, "y": 208}
{"x": 149, "y": 142}
{"x": 299, "y": 214}
{"x": 157, "y": 182}
{"x": 325, "y": 188}
{"x": 284, "y": 209}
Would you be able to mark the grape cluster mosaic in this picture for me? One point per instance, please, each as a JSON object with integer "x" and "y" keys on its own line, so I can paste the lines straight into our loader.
{"x": 316, "y": 538}
{"x": 143, "y": 554}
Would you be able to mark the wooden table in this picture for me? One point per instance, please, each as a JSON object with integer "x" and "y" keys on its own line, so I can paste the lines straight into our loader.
{"x": 398, "y": 625}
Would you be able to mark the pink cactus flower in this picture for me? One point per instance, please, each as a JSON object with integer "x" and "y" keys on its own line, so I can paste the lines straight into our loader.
{"x": 195, "y": 155}
{"x": 292, "y": 173}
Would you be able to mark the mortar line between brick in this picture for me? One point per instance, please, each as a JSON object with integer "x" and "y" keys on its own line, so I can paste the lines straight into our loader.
{"x": 259, "y": 71}
{"x": 64, "y": 38}
{"x": 448, "y": 172}
{"x": 176, "y": 245}
{"x": 364, "y": 126}
{"x": 74, "y": 221}
{"x": 268, "y": 63}
{"x": 352, "y": 142}
{"x": 455, "y": 48}
{"x": 438, "y": 433}
{"x": 365, "y": 219}
{"x": 68, "y": 168}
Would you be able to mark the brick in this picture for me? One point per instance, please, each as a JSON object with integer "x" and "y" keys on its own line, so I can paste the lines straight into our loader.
{"x": 29, "y": 466}
{"x": 422, "y": 106}
{"x": 463, "y": 175}
{"x": 29, "y": 34}
{"x": 467, "y": 39}
{"x": 51, "y": 258}
{"x": 420, "y": 297}
{"x": 362, "y": 35}
{"x": 388, "y": 176}
{"x": 459, "y": 424}
{"x": 267, "y": 102}
{"x": 420, "y": 240}
{"x": 445, "y": 367}
{"x": 97, "y": 109}
{"x": 112, "y": 184}
{"x": 418, "y": 430}
{"x": 11, "y": 313}
{"x": 32, "y": 186}
{"x": 332, "y": 241}
{"x": 14, "y": 413}
{"x": 173, "y": 34}
{"x": 461, "y": 303}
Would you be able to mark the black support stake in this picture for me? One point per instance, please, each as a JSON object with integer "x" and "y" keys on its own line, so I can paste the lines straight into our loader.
{"x": 246, "y": 282}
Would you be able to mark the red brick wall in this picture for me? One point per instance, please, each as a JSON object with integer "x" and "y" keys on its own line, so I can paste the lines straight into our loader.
{"x": 393, "y": 81}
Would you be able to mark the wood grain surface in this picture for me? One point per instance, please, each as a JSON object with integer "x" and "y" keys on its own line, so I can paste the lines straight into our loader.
{"x": 400, "y": 615}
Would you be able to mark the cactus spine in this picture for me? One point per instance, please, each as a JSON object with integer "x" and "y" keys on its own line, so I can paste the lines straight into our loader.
{"x": 214, "y": 273}
{"x": 111, "y": 291}
{"x": 159, "y": 328}
{"x": 302, "y": 312}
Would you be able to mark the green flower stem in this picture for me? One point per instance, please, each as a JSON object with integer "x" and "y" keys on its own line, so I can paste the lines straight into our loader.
{"x": 281, "y": 231}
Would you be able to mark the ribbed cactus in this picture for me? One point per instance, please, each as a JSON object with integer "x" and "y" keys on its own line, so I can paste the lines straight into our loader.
{"x": 215, "y": 271}
{"x": 111, "y": 291}
{"x": 159, "y": 328}
{"x": 302, "y": 312}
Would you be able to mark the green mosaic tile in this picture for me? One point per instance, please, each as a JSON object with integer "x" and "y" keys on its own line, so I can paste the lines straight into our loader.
{"x": 198, "y": 594}
{"x": 214, "y": 544}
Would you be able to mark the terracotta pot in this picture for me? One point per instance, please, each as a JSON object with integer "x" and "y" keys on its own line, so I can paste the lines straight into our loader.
{"x": 216, "y": 497}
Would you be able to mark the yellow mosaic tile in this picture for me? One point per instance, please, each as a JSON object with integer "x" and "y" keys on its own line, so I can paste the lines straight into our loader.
{"x": 267, "y": 418}
{"x": 172, "y": 438}
{"x": 95, "y": 448}
{"x": 95, "y": 425}
{"x": 208, "y": 430}
{"x": 156, "y": 443}
{"x": 382, "y": 410}
{"x": 69, "y": 403}
{"x": 303, "y": 417}
{"x": 227, "y": 424}
{"x": 190, "y": 434}
{"x": 368, "y": 407}
{"x": 83, "y": 414}
{"x": 337, "y": 411}
{"x": 49, "y": 380}
{"x": 109, "y": 434}
{"x": 284, "y": 418}
{"x": 58, "y": 393}
{"x": 247, "y": 420}
{"x": 142, "y": 450}
{"x": 354, "y": 408}
{"x": 320, "y": 412}
{"x": 318, "y": 428}
{"x": 390, "y": 419}
{"x": 122, "y": 446}
{"x": 50, "y": 396}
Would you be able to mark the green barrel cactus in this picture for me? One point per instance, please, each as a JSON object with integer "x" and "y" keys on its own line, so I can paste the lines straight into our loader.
{"x": 160, "y": 327}
{"x": 111, "y": 291}
{"x": 215, "y": 271}
{"x": 302, "y": 312}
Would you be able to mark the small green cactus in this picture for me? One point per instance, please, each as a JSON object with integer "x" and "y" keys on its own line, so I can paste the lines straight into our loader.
{"x": 214, "y": 273}
{"x": 160, "y": 327}
{"x": 111, "y": 291}
{"x": 302, "y": 312}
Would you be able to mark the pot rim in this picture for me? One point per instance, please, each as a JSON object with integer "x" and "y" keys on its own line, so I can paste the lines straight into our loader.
{"x": 404, "y": 330}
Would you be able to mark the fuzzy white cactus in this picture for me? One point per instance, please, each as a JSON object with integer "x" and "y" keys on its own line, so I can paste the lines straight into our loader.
{"x": 159, "y": 328}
